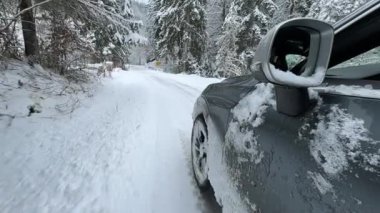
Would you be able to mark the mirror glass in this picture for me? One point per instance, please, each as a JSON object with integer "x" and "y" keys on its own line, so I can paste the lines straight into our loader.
{"x": 290, "y": 49}
{"x": 293, "y": 59}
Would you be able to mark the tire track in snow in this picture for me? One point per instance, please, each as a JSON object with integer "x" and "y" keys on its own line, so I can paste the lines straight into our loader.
{"x": 186, "y": 89}
{"x": 206, "y": 201}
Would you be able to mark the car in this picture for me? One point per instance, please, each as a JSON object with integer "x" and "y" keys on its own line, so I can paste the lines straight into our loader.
{"x": 301, "y": 133}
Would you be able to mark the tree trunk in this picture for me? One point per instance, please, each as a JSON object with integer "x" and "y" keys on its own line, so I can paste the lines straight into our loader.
{"x": 29, "y": 29}
{"x": 224, "y": 10}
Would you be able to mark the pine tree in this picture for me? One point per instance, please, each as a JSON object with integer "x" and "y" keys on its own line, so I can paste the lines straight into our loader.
{"x": 227, "y": 61}
{"x": 333, "y": 10}
{"x": 216, "y": 14}
{"x": 9, "y": 44}
{"x": 114, "y": 40}
{"x": 153, "y": 28}
{"x": 108, "y": 24}
{"x": 63, "y": 41}
{"x": 256, "y": 18}
{"x": 181, "y": 33}
{"x": 288, "y": 9}
{"x": 70, "y": 30}
{"x": 244, "y": 26}
{"x": 300, "y": 8}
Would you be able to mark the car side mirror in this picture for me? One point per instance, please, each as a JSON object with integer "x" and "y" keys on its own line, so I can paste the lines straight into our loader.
{"x": 294, "y": 55}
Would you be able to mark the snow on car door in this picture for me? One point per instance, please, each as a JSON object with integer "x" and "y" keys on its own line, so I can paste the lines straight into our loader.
{"x": 327, "y": 159}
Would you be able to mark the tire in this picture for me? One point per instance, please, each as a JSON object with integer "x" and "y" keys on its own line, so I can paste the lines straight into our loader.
{"x": 199, "y": 143}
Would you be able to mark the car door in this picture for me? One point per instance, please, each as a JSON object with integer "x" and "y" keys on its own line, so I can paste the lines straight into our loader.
{"x": 327, "y": 159}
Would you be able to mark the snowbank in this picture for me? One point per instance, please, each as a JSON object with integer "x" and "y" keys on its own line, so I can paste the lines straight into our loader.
{"x": 34, "y": 92}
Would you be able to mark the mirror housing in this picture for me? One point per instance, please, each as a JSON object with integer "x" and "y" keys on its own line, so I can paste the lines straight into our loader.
{"x": 307, "y": 40}
{"x": 310, "y": 38}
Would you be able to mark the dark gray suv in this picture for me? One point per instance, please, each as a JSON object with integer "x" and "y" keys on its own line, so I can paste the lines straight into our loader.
{"x": 302, "y": 133}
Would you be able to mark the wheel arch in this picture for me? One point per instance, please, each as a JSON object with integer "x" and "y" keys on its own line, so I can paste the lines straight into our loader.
{"x": 201, "y": 109}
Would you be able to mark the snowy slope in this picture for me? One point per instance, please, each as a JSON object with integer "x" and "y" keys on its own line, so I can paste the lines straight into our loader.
{"x": 124, "y": 150}
{"x": 52, "y": 95}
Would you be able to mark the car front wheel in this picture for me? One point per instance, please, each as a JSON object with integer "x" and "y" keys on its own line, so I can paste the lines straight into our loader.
{"x": 199, "y": 143}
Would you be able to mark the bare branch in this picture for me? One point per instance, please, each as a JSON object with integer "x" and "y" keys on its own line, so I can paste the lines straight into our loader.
{"x": 22, "y": 12}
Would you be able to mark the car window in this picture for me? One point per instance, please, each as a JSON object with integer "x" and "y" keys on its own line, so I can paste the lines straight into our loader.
{"x": 370, "y": 57}
{"x": 365, "y": 65}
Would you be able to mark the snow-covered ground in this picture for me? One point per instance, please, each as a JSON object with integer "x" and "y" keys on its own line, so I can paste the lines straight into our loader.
{"x": 125, "y": 149}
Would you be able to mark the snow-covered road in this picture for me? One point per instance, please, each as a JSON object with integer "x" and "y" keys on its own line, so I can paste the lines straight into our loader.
{"x": 127, "y": 149}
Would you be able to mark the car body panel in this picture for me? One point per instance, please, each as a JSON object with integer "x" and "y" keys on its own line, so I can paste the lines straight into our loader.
{"x": 287, "y": 171}
{"x": 217, "y": 100}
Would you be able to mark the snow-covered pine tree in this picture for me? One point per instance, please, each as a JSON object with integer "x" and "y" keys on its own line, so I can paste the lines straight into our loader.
{"x": 9, "y": 44}
{"x": 113, "y": 41}
{"x": 288, "y": 9}
{"x": 63, "y": 42}
{"x": 153, "y": 28}
{"x": 181, "y": 33}
{"x": 227, "y": 60}
{"x": 140, "y": 52}
{"x": 69, "y": 31}
{"x": 109, "y": 24}
{"x": 166, "y": 29}
{"x": 256, "y": 18}
{"x": 300, "y": 8}
{"x": 244, "y": 26}
{"x": 216, "y": 14}
{"x": 333, "y": 10}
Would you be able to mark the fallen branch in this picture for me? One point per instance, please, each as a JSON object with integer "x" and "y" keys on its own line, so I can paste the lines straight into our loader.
{"x": 7, "y": 85}
{"x": 7, "y": 115}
